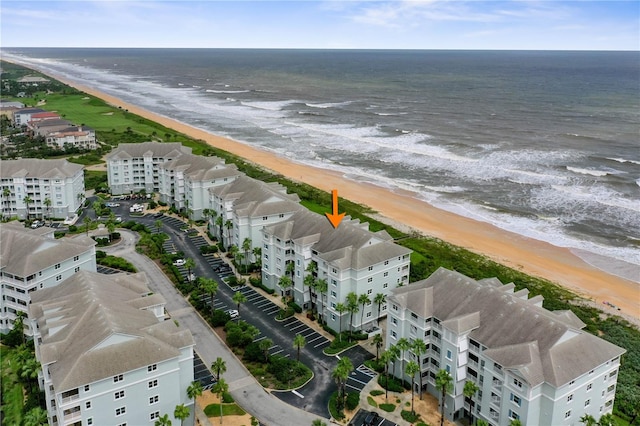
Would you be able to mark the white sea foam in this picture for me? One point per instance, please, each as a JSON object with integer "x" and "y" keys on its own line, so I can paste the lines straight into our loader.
{"x": 227, "y": 91}
{"x": 269, "y": 105}
{"x": 623, "y": 160}
{"x": 591, "y": 172}
{"x": 327, "y": 104}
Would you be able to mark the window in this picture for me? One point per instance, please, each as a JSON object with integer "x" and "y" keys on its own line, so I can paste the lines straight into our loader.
{"x": 368, "y": 314}
{"x": 152, "y": 367}
{"x": 118, "y": 395}
{"x": 59, "y": 278}
{"x": 371, "y": 268}
{"x": 370, "y": 279}
{"x": 385, "y": 285}
{"x": 87, "y": 388}
{"x": 386, "y": 274}
{"x": 448, "y": 354}
{"x": 587, "y": 403}
{"x": 394, "y": 321}
{"x": 567, "y": 414}
{"x": 517, "y": 382}
{"x": 589, "y": 386}
{"x": 334, "y": 294}
{"x": 610, "y": 388}
{"x": 154, "y": 416}
{"x": 394, "y": 307}
{"x": 513, "y": 415}
{"x": 516, "y": 399}
{"x": 369, "y": 291}
{"x": 154, "y": 399}
{"x": 386, "y": 262}
{"x": 153, "y": 383}
{"x": 118, "y": 378}
{"x": 448, "y": 368}
{"x": 90, "y": 421}
{"x": 613, "y": 373}
{"x": 76, "y": 258}
{"x": 76, "y": 269}
{"x": 87, "y": 405}
{"x": 570, "y": 398}
{"x": 394, "y": 334}
{"x": 120, "y": 411}
{"x": 591, "y": 372}
{"x": 57, "y": 266}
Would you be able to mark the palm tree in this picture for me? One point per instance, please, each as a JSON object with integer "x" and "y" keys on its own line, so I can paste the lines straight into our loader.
{"x": 29, "y": 372}
{"x": 220, "y": 389}
{"x": 27, "y": 200}
{"x": 379, "y": 300}
{"x": 310, "y": 277}
{"x": 194, "y": 390}
{"x": 444, "y": 382}
{"x": 352, "y": 308}
{"x": 163, "y": 421}
{"x": 322, "y": 286}
{"x": 189, "y": 264}
{"x": 378, "y": 341}
{"x": 229, "y": 225}
{"x": 341, "y": 374}
{"x": 285, "y": 283}
{"x": 404, "y": 345}
{"x": 341, "y": 308}
{"x": 158, "y": 225}
{"x": 310, "y": 282}
{"x": 47, "y": 203}
{"x": 298, "y": 342}
{"x": 233, "y": 251}
{"x": 481, "y": 422}
{"x": 111, "y": 225}
{"x": 419, "y": 348}
{"x": 6, "y": 192}
{"x": 37, "y": 416}
{"x": 210, "y": 286}
{"x": 18, "y": 324}
{"x": 396, "y": 355}
{"x": 387, "y": 357}
{"x": 257, "y": 254}
{"x": 239, "y": 298}
{"x": 607, "y": 420}
{"x": 246, "y": 247}
{"x": 265, "y": 345}
{"x": 364, "y": 300}
{"x": 470, "y": 389}
{"x": 219, "y": 223}
{"x": 219, "y": 367}
{"x": 515, "y": 422}
{"x": 318, "y": 422}
{"x": 588, "y": 420}
{"x": 181, "y": 413}
{"x": 87, "y": 221}
{"x": 412, "y": 369}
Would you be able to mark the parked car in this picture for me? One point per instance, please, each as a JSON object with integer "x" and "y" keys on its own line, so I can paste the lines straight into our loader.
{"x": 179, "y": 262}
{"x": 233, "y": 313}
{"x": 36, "y": 224}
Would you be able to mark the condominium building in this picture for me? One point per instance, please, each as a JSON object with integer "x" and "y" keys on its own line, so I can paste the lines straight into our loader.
{"x": 32, "y": 260}
{"x": 51, "y": 188}
{"x": 349, "y": 258}
{"x": 81, "y": 137}
{"x": 107, "y": 355}
{"x": 133, "y": 167}
{"x": 22, "y": 116}
{"x": 186, "y": 180}
{"x": 247, "y": 205}
{"x": 529, "y": 363}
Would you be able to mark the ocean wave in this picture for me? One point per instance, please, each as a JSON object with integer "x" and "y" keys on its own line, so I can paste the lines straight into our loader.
{"x": 328, "y": 104}
{"x": 227, "y": 91}
{"x": 592, "y": 172}
{"x": 623, "y": 160}
{"x": 269, "y": 105}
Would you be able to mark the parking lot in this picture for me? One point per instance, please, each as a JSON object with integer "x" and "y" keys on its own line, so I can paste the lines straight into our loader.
{"x": 362, "y": 415}
{"x": 360, "y": 377}
{"x": 202, "y": 374}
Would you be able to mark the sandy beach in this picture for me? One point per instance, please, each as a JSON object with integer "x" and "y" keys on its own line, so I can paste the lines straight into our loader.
{"x": 402, "y": 209}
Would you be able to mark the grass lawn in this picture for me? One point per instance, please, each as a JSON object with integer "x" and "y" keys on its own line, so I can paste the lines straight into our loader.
{"x": 389, "y": 408}
{"x": 213, "y": 410}
{"x": 371, "y": 401}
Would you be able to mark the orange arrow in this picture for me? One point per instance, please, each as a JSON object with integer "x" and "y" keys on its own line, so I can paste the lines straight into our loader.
{"x": 335, "y": 218}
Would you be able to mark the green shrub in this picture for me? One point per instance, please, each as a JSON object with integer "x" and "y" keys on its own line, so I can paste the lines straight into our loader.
{"x": 227, "y": 398}
{"x": 394, "y": 384}
{"x": 353, "y": 399}
{"x": 253, "y": 353}
{"x": 219, "y": 318}
{"x": 371, "y": 401}
{"x": 333, "y": 407}
{"x": 409, "y": 416}
{"x": 284, "y": 368}
{"x": 284, "y": 314}
{"x": 100, "y": 254}
{"x": 73, "y": 228}
{"x": 389, "y": 408}
{"x": 376, "y": 392}
{"x": 295, "y": 307}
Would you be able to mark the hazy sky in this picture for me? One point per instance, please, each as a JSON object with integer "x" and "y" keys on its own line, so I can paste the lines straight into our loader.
{"x": 393, "y": 24}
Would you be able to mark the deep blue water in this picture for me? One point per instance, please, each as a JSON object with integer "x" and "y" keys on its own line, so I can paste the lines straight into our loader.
{"x": 545, "y": 144}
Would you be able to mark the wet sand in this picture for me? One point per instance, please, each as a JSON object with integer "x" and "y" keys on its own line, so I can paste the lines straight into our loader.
{"x": 402, "y": 209}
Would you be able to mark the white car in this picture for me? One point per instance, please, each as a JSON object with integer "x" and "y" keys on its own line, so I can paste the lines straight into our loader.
{"x": 179, "y": 262}
{"x": 233, "y": 313}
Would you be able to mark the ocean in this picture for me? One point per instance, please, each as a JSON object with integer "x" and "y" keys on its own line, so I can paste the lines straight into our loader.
{"x": 541, "y": 143}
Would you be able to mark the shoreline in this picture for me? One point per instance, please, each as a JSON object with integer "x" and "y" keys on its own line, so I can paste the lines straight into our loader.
{"x": 399, "y": 207}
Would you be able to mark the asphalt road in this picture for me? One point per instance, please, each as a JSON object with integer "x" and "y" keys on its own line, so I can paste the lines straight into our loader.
{"x": 258, "y": 311}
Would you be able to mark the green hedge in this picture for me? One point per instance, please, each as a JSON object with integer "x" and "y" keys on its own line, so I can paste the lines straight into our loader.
{"x": 333, "y": 407}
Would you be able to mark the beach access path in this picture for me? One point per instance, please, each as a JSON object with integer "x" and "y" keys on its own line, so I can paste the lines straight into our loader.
{"x": 248, "y": 393}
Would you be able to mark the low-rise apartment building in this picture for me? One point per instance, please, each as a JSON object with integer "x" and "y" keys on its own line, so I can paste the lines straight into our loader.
{"x": 32, "y": 260}
{"x": 22, "y": 116}
{"x": 350, "y": 258}
{"x": 133, "y": 167}
{"x": 27, "y": 184}
{"x": 81, "y": 137}
{"x": 530, "y": 364}
{"x": 107, "y": 355}
{"x": 186, "y": 180}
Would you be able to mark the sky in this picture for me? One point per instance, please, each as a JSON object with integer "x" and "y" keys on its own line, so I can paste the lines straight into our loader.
{"x": 329, "y": 24}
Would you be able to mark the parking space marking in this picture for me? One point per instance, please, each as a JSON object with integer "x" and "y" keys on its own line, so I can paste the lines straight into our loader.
{"x": 252, "y": 298}
{"x": 276, "y": 353}
{"x": 356, "y": 380}
{"x": 320, "y": 344}
{"x": 271, "y": 310}
{"x": 297, "y": 326}
{"x": 353, "y": 387}
{"x": 259, "y": 338}
{"x": 307, "y": 335}
{"x": 319, "y": 337}
{"x": 288, "y": 321}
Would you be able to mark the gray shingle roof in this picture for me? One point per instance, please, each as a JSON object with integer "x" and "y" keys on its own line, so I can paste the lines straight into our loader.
{"x": 199, "y": 168}
{"x": 38, "y": 168}
{"x": 24, "y": 251}
{"x": 92, "y": 328}
{"x": 509, "y": 326}
{"x": 153, "y": 149}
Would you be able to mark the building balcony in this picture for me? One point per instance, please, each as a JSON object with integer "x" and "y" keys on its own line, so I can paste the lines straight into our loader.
{"x": 496, "y": 400}
{"x": 69, "y": 399}
{"x": 72, "y": 417}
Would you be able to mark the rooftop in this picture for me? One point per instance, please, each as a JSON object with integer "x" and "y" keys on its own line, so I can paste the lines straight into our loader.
{"x": 148, "y": 149}
{"x": 38, "y": 168}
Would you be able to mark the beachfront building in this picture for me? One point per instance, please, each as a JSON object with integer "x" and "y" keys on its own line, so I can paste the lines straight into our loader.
{"x": 134, "y": 167}
{"x": 41, "y": 188}
{"x": 45, "y": 127}
{"x": 350, "y": 259}
{"x": 530, "y": 364}
{"x": 107, "y": 355}
{"x": 245, "y": 206}
{"x": 22, "y": 116}
{"x": 32, "y": 260}
{"x": 185, "y": 181}
{"x": 81, "y": 137}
